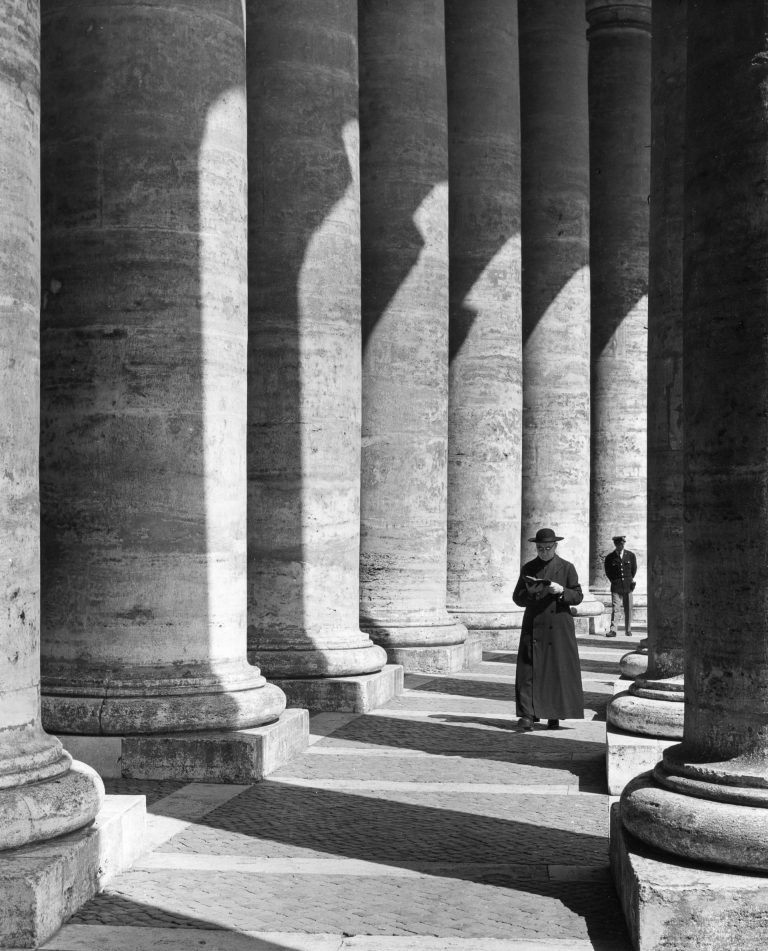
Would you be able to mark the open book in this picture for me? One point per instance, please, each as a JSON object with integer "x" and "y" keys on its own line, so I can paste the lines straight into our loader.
{"x": 529, "y": 579}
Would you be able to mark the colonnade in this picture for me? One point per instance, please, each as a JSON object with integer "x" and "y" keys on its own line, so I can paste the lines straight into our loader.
{"x": 314, "y": 345}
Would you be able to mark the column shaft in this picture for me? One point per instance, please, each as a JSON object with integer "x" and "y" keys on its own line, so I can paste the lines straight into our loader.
{"x": 716, "y": 780}
{"x": 42, "y": 793}
{"x": 653, "y": 705}
{"x": 665, "y": 343}
{"x": 555, "y": 282}
{"x": 144, "y": 371}
{"x": 485, "y": 378}
{"x": 619, "y": 142}
{"x": 304, "y": 342}
{"x": 404, "y": 202}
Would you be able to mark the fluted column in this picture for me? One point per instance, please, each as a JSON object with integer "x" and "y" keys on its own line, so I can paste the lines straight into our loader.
{"x": 708, "y": 800}
{"x": 144, "y": 370}
{"x": 555, "y": 284}
{"x": 304, "y": 397}
{"x": 404, "y": 201}
{"x": 619, "y": 141}
{"x": 485, "y": 377}
{"x": 653, "y": 704}
{"x": 43, "y": 793}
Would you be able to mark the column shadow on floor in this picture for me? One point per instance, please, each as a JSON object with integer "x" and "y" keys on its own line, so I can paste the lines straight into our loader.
{"x": 578, "y": 760}
{"x": 492, "y": 690}
{"x": 281, "y": 821}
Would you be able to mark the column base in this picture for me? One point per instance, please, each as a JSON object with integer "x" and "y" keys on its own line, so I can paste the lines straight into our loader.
{"x": 649, "y": 709}
{"x": 235, "y": 756}
{"x": 492, "y": 630}
{"x": 44, "y": 884}
{"x": 590, "y": 615}
{"x": 345, "y": 694}
{"x": 669, "y": 903}
{"x": 508, "y": 640}
{"x": 445, "y": 659}
{"x": 634, "y": 664}
{"x": 129, "y": 710}
{"x": 683, "y": 823}
{"x": 36, "y": 811}
{"x": 299, "y": 663}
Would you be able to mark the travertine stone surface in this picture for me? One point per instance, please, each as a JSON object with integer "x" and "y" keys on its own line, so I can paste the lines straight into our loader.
{"x": 710, "y": 797}
{"x": 628, "y": 754}
{"x": 675, "y": 906}
{"x": 619, "y": 143}
{"x": 555, "y": 282}
{"x": 485, "y": 376}
{"x": 43, "y": 885}
{"x": 662, "y": 683}
{"x": 304, "y": 342}
{"x": 42, "y": 793}
{"x": 404, "y": 205}
{"x": 144, "y": 370}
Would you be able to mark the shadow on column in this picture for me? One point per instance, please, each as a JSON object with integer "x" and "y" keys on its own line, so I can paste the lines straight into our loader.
{"x": 144, "y": 370}
{"x": 304, "y": 347}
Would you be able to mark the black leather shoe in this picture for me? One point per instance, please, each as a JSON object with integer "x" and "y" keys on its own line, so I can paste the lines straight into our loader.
{"x": 611, "y": 634}
{"x": 553, "y": 724}
{"x": 524, "y": 725}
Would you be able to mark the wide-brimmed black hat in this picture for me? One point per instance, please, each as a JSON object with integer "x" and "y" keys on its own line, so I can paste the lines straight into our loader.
{"x": 619, "y": 538}
{"x": 544, "y": 536}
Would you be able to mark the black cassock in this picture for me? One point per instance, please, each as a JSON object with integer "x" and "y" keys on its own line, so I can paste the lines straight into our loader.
{"x": 548, "y": 678}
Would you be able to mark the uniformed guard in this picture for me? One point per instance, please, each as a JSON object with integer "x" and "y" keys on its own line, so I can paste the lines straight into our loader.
{"x": 621, "y": 568}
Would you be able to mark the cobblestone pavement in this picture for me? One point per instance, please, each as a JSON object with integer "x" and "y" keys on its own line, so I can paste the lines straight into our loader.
{"x": 427, "y": 825}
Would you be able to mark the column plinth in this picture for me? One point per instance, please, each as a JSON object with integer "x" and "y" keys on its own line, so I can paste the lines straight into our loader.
{"x": 43, "y": 794}
{"x": 404, "y": 215}
{"x": 708, "y": 799}
{"x": 144, "y": 332}
{"x": 619, "y": 140}
{"x": 555, "y": 281}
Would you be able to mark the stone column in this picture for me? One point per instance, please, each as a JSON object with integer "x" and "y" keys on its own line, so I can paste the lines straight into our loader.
{"x": 144, "y": 371}
{"x": 485, "y": 375}
{"x": 708, "y": 799}
{"x": 304, "y": 398}
{"x": 653, "y": 705}
{"x": 619, "y": 142}
{"x": 43, "y": 793}
{"x": 555, "y": 285}
{"x": 404, "y": 200}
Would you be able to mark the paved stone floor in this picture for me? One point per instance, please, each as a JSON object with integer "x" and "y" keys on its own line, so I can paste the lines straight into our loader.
{"x": 428, "y": 825}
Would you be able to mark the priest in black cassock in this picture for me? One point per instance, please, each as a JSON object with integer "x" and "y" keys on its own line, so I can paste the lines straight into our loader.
{"x": 548, "y": 678}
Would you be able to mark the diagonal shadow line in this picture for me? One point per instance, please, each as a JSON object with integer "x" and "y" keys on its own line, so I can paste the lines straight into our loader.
{"x": 276, "y": 819}
{"x": 130, "y": 912}
{"x": 584, "y": 760}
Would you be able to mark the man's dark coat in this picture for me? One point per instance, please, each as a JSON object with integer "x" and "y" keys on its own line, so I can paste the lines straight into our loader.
{"x": 548, "y": 657}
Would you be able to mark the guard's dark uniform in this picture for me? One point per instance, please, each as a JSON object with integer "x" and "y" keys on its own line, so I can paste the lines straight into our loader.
{"x": 548, "y": 677}
{"x": 620, "y": 570}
